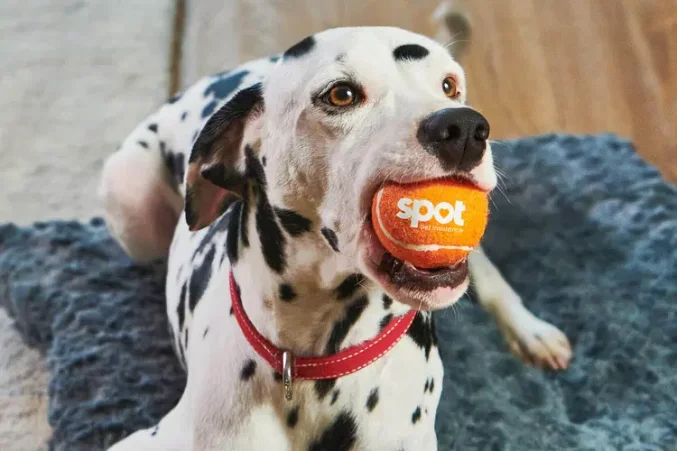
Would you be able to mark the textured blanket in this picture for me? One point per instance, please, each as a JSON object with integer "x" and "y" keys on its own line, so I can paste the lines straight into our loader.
{"x": 584, "y": 230}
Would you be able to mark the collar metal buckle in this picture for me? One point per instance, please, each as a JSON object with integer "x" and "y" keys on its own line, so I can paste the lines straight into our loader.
{"x": 287, "y": 363}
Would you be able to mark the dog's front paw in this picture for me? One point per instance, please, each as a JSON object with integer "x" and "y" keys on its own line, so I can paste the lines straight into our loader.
{"x": 535, "y": 341}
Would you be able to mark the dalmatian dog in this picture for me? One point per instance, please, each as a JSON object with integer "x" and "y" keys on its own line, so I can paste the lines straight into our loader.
{"x": 267, "y": 172}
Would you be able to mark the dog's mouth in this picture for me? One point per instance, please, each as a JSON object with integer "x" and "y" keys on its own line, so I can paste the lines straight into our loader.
{"x": 422, "y": 288}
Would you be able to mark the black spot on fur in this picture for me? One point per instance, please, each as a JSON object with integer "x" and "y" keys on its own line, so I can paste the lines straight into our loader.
{"x": 422, "y": 331}
{"x": 293, "y": 223}
{"x": 248, "y": 370}
{"x": 174, "y": 162}
{"x": 244, "y": 222}
{"x": 223, "y": 176}
{"x": 232, "y": 239}
{"x": 219, "y": 226}
{"x": 263, "y": 160}
{"x": 340, "y": 435}
{"x": 324, "y": 386}
{"x": 410, "y": 52}
{"x": 334, "y": 396}
{"x": 254, "y": 168}
{"x": 152, "y": 127}
{"x": 224, "y": 86}
{"x": 175, "y": 165}
{"x": 207, "y": 111}
{"x": 270, "y": 234}
{"x": 184, "y": 115}
{"x": 349, "y": 286}
{"x": 300, "y": 48}
{"x": 286, "y": 292}
{"x": 227, "y": 123}
{"x": 293, "y": 417}
{"x": 343, "y": 325}
{"x": 387, "y": 301}
{"x": 155, "y": 429}
{"x": 199, "y": 279}
{"x": 185, "y": 338}
{"x": 425, "y": 387}
{"x": 277, "y": 376}
{"x": 416, "y": 415}
{"x": 143, "y": 144}
{"x": 180, "y": 166}
{"x": 220, "y": 176}
{"x": 372, "y": 400}
{"x": 181, "y": 307}
{"x": 205, "y": 333}
{"x": 175, "y": 98}
{"x": 331, "y": 238}
{"x": 274, "y": 59}
{"x": 385, "y": 321}
{"x": 432, "y": 385}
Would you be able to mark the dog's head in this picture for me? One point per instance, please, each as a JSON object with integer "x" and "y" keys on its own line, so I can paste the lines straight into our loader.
{"x": 340, "y": 113}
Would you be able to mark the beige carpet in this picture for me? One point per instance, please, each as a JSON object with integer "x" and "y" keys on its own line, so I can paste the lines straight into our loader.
{"x": 76, "y": 78}
{"x": 23, "y": 398}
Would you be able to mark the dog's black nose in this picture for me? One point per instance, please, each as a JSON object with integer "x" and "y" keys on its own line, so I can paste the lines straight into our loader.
{"x": 457, "y": 136}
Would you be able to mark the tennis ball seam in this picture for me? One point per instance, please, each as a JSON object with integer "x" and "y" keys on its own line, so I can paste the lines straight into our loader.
{"x": 412, "y": 247}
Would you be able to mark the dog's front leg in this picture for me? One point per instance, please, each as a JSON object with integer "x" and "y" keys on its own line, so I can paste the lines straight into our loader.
{"x": 533, "y": 340}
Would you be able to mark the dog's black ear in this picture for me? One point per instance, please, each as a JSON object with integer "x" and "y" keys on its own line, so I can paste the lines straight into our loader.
{"x": 216, "y": 173}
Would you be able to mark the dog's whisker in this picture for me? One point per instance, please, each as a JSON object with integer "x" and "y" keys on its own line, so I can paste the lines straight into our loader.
{"x": 497, "y": 143}
{"x": 451, "y": 39}
{"x": 502, "y": 192}
{"x": 458, "y": 41}
{"x": 500, "y": 173}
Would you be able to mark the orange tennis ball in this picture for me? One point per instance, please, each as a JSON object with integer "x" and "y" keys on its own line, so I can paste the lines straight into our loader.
{"x": 430, "y": 224}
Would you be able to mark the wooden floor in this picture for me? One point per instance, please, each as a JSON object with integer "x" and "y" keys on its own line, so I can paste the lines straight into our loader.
{"x": 580, "y": 66}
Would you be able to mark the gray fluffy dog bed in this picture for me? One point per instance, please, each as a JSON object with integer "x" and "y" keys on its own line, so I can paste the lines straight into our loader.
{"x": 586, "y": 233}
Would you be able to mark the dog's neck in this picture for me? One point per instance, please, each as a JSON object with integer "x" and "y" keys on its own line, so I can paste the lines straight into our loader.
{"x": 311, "y": 307}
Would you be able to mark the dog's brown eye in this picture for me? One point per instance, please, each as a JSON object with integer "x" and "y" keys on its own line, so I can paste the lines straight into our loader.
{"x": 342, "y": 95}
{"x": 450, "y": 88}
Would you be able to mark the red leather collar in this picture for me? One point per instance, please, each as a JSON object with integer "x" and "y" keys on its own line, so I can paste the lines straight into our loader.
{"x": 345, "y": 362}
